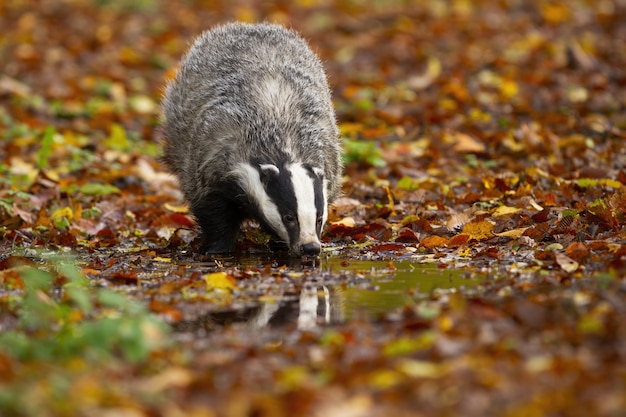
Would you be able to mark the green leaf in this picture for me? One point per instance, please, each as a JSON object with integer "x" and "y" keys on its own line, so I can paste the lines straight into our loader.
{"x": 91, "y": 213}
{"x": 6, "y": 204}
{"x": 79, "y": 294}
{"x": 408, "y": 183}
{"x": 570, "y": 212}
{"x": 363, "y": 151}
{"x": 94, "y": 188}
{"x": 46, "y": 148}
{"x": 37, "y": 280}
{"x": 109, "y": 298}
{"x": 118, "y": 139}
{"x": 586, "y": 182}
{"x": 49, "y": 329}
{"x": 406, "y": 345}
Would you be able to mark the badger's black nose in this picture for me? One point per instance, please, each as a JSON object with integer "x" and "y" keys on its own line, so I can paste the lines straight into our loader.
{"x": 311, "y": 249}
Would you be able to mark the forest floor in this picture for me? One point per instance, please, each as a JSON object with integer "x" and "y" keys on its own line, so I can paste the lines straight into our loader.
{"x": 475, "y": 264}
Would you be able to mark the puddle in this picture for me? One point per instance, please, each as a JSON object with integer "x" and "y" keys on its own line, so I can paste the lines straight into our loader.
{"x": 389, "y": 285}
{"x": 339, "y": 290}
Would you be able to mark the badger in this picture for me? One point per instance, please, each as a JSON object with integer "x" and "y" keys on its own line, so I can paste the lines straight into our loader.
{"x": 250, "y": 132}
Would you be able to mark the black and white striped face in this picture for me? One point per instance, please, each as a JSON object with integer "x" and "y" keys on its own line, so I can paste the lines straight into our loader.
{"x": 291, "y": 200}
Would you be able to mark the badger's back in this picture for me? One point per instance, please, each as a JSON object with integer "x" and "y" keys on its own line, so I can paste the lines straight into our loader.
{"x": 248, "y": 91}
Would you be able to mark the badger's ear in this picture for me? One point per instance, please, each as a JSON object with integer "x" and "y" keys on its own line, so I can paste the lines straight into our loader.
{"x": 267, "y": 171}
{"x": 317, "y": 171}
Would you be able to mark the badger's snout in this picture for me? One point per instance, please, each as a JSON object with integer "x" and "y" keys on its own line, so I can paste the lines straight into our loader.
{"x": 310, "y": 249}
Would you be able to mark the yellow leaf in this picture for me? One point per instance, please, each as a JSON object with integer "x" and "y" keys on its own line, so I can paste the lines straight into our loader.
{"x": 117, "y": 139}
{"x": 610, "y": 183}
{"x": 504, "y": 210}
{"x": 515, "y": 233}
{"x": 478, "y": 115}
{"x": 508, "y": 88}
{"x": 159, "y": 259}
{"x": 293, "y": 377}
{"x": 348, "y": 128}
{"x": 478, "y": 231}
{"x": 448, "y": 104}
{"x": 176, "y": 208}
{"x": 63, "y": 212}
{"x": 556, "y": 13}
{"x": 346, "y": 221}
{"x": 603, "y": 182}
{"x": 385, "y": 378}
{"x": 445, "y": 323}
{"x": 513, "y": 143}
{"x": 535, "y": 172}
{"x": 219, "y": 281}
{"x": 52, "y": 174}
{"x": 406, "y": 345}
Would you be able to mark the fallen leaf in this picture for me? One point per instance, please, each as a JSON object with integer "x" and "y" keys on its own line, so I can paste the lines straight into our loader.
{"x": 433, "y": 242}
{"x": 504, "y": 210}
{"x": 479, "y": 230}
{"x": 566, "y": 263}
{"x": 346, "y": 221}
{"x": 464, "y": 143}
{"x": 219, "y": 281}
{"x": 514, "y": 233}
{"x": 578, "y": 252}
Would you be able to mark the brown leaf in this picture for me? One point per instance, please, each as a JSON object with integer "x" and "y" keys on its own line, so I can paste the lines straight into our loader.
{"x": 407, "y": 236}
{"x": 169, "y": 311}
{"x": 123, "y": 278}
{"x": 578, "y": 252}
{"x": 465, "y": 143}
{"x": 433, "y": 242}
{"x": 387, "y": 247}
{"x": 458, "y": 240}
{"x": 173, "y": 220}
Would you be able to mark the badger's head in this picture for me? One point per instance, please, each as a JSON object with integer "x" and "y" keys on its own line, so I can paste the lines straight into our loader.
{"x": 291, "y": 200}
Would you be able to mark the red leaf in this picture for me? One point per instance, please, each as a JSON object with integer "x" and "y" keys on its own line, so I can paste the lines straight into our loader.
{"x": 407, "y": 236}
{"x": 458, "y": 240}
{"x": 123, "y": 278}
{"x": 388, "y": 247}
{"x": 173, "y": 220}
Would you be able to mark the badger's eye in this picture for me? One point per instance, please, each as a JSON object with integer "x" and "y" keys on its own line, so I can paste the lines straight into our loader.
{"x": 320, "y": 220}
{"x": 289, "y": 219}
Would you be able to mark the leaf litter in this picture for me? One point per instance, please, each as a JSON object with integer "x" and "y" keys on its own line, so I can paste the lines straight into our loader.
{"x": 474, "y": 266}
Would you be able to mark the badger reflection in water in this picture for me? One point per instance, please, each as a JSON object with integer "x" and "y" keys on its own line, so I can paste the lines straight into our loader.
{"x": 314, "y": 304}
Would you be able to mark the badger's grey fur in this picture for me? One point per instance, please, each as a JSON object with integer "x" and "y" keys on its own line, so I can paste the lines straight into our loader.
{"x": 250, "y": 132}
